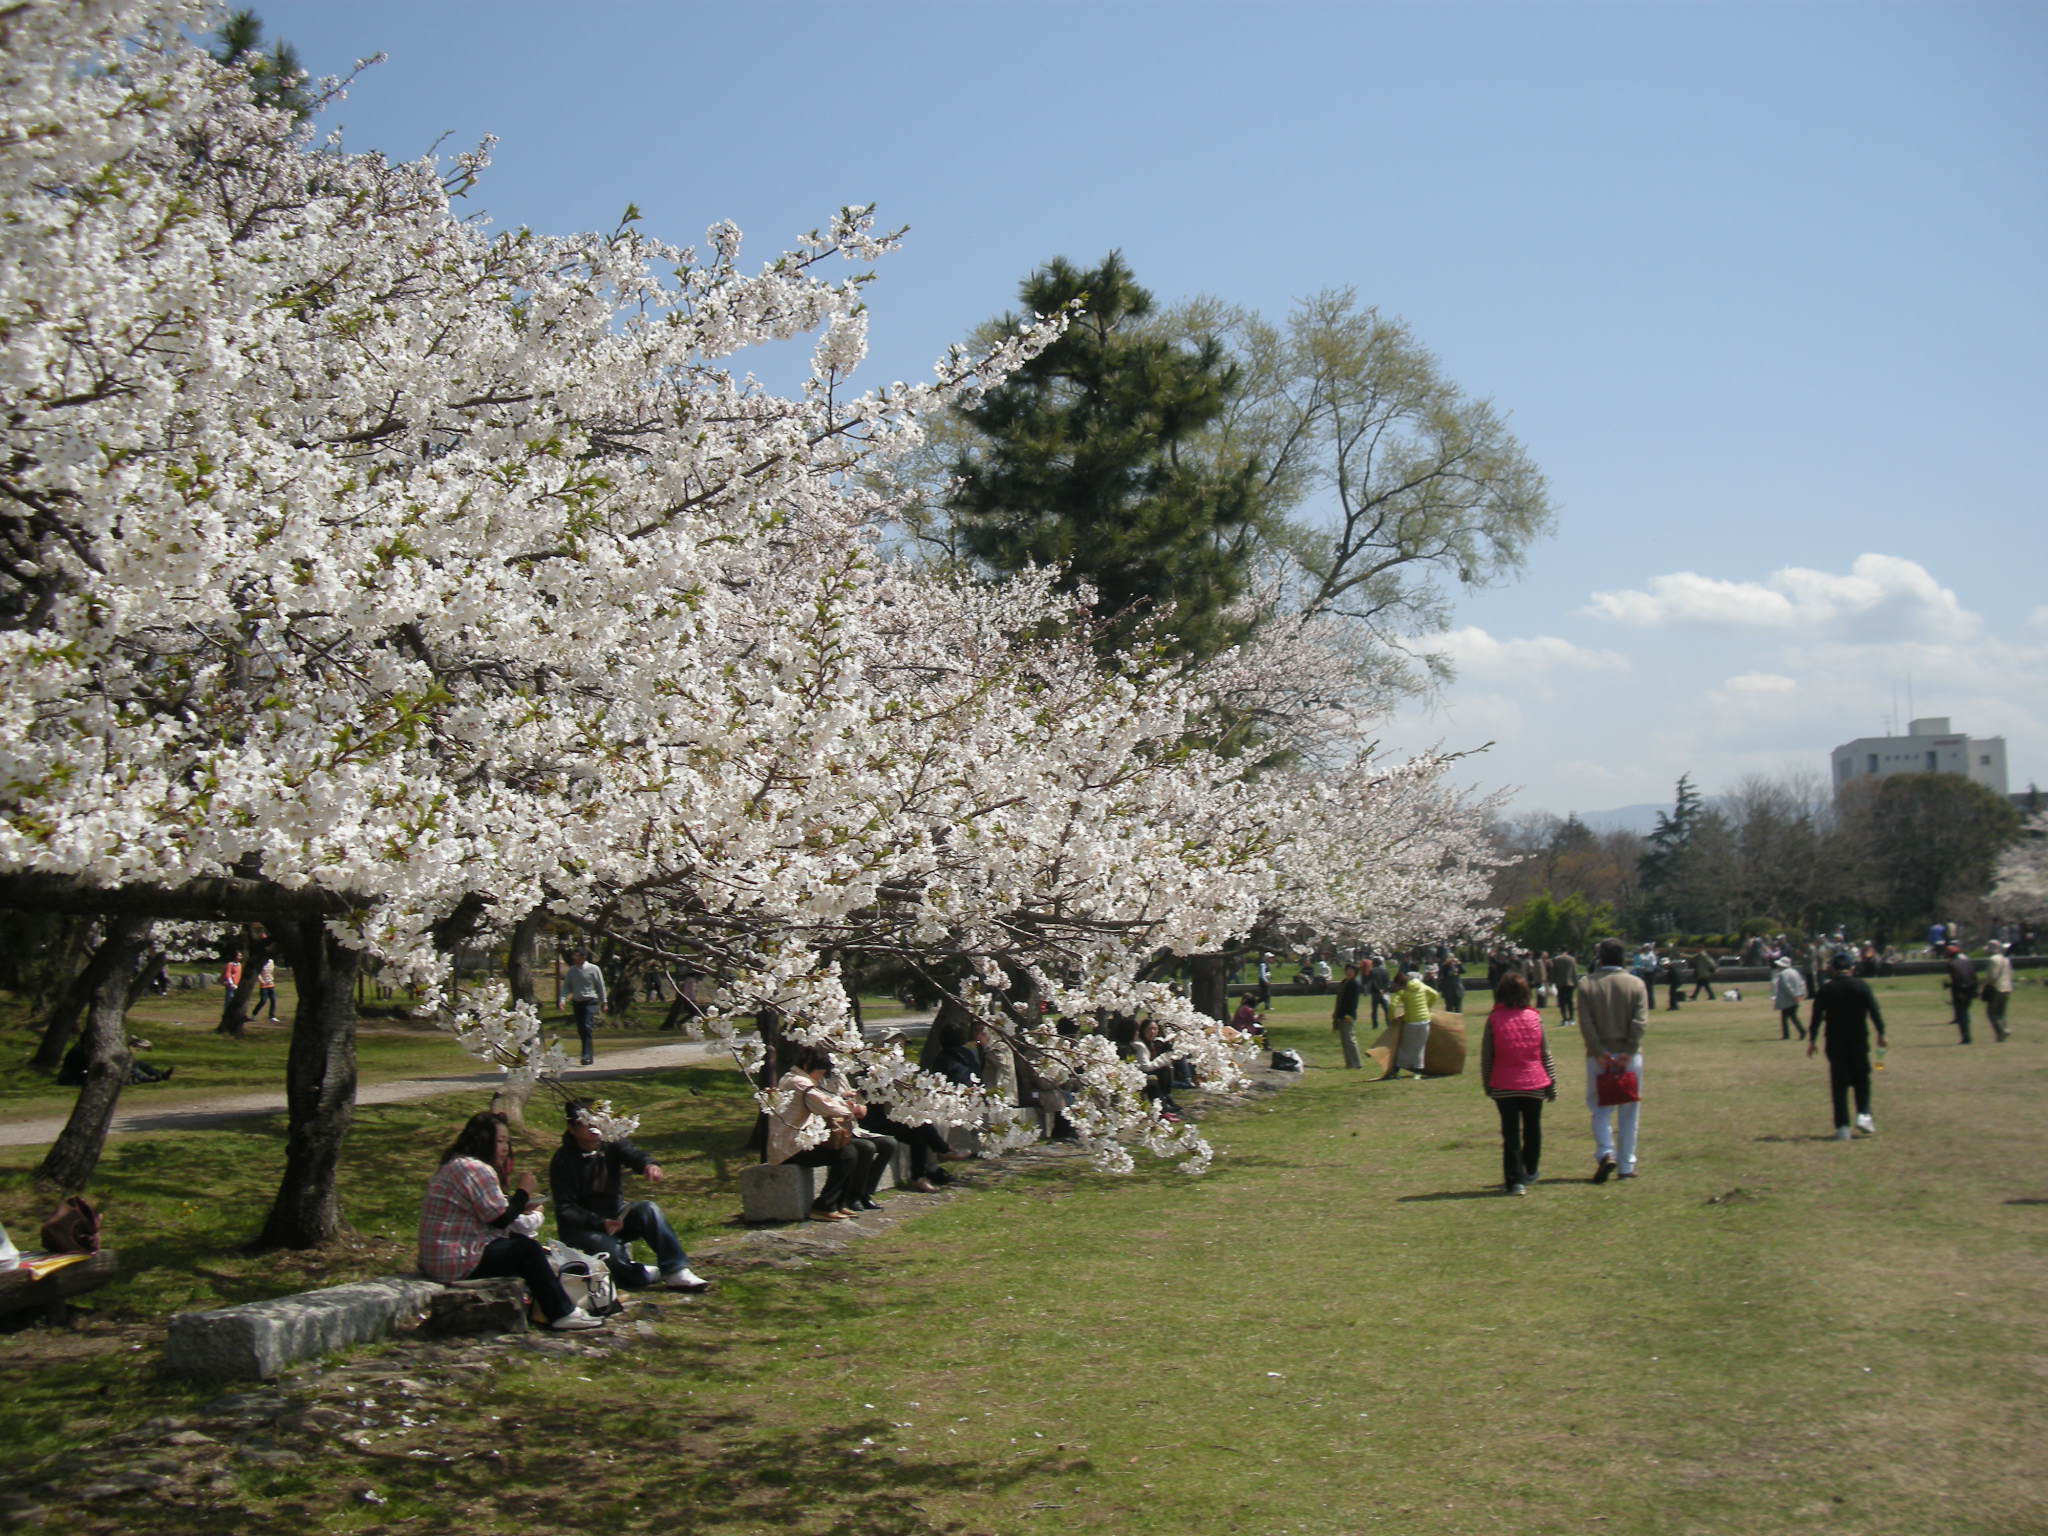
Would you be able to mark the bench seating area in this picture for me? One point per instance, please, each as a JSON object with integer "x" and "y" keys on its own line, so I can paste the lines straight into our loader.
{"x": 256, "y": 1340}
{"x": 25, "y": 1299}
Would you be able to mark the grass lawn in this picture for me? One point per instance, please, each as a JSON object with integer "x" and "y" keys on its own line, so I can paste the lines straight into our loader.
{"x": 1341, "y": 1328}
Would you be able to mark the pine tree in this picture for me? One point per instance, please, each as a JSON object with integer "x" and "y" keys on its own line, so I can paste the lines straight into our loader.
{"x": 1662, "y": 866}
{"x": 280, "y": 78}
{"x": 1080, "y": 461}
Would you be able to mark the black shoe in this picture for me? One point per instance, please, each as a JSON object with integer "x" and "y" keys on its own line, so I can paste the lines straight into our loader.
{"x": 865, "y": 1205}
{"x": 1605, "y": 1171}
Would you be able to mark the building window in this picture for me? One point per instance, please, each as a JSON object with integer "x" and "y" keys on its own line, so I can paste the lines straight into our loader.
{"x": 1984, "y": 760}
{"x": 1933, "y": 762}
{"x": 1873, "y": 762}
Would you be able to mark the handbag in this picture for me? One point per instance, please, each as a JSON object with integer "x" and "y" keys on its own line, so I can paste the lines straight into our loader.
{"x": 586, "y": 1278}
{"x": 1616, "y": 1085}
{"x": 838, "y": 1131}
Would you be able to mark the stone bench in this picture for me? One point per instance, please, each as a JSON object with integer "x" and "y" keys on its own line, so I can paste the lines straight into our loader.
{"x": 25, "y": 1299}
{"x": 256, "y": 1340}
{"x": 778, "y": 1192}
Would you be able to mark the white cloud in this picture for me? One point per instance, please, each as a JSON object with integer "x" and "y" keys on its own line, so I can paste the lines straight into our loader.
{"x": 1881, "y": 598}
{"x": 1473, "y": 651}
{"x": 1760, "y": 682}
{"x": 2038, "y": 619}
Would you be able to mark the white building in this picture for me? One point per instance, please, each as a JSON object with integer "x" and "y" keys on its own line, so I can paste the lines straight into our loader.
{"x": 1928, "y": 746}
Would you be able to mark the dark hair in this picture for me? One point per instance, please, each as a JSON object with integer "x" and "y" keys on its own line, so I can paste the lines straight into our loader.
{"x": 1511, "y": 991}
{"x": 803, "y": 1056}
{"x": 478, "y": 1138}
{"x": 1612, "y": 952}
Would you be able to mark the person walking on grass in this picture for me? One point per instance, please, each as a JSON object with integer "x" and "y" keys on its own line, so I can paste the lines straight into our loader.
{"x": 1345, "y": 1019}
{"x": 1962, "y": 988}
{"x": 266, "y": 992}
{"x": 1997, "y": 987}
{"x": 583, "y": 991}
{"x": 1517, "y": 1073}
{"x": 1788, "y": 990}
{"x": 1614, "y": 1010}
{"x": 1843, "y": 1007}
{"x": 1704, "y": 968}
{"x": 1411, "y": 1004}
{"x": 1564, "y": 978}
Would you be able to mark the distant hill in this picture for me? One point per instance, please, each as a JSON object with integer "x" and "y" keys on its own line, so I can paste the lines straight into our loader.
{"x": 1640, "y": 819}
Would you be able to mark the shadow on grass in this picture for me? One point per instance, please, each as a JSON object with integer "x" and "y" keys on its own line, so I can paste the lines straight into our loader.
{"x": 667, "y": 1472}
{"x": 1793, "y": 1140}
{"x": 1491, "y": 1193}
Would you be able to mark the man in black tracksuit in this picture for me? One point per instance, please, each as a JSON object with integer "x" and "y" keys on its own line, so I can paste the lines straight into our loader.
{"x": 1844, "y": 1006}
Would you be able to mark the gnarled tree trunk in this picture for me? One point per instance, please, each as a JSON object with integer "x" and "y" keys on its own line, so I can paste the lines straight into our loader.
{"x": 113, "y": 975}
{"x": 257, "y": 946}
{"x": 320, "y": 1084}
{"x": 64, "y": 1015}
{"x": 1208, "y": 985}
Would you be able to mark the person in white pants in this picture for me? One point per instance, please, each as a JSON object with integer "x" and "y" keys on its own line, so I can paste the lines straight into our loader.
{"x": 1614, "y": 1125}
{"x": 1613, "y": 1008}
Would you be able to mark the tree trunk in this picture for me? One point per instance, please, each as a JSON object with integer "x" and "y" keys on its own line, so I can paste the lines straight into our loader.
{"x": 1208, "y": 985}
{"x": 519, "y": 957}
{"x": 114, "y": 972}
{"x": 320, "y": 1085}
{"x": 234, "y": 1008}
{"x": 64, "y": 1016}
{"x": 685, "y": 1010}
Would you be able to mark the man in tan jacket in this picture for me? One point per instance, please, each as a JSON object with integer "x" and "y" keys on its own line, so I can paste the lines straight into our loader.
{"x": 1613, "y": 1007}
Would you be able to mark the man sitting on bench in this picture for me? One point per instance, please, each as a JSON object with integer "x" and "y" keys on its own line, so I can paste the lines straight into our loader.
{"x": 590, "y": 1214}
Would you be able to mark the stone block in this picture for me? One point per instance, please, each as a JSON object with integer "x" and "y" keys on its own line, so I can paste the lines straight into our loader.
{"x": 776, "y": 1192}
{"x": 477, "y": 1306}
{"x": 256, "y": 1340}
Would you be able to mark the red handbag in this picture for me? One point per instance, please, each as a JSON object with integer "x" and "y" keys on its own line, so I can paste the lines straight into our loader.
{"x": 1617, "y": 1085}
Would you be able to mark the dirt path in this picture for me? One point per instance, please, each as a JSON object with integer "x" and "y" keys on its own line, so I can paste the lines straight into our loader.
{"x": 220, "y": 1109}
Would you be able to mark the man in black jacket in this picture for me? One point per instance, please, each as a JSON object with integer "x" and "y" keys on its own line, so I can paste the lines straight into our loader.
{"x": 1962, "y": 988}
{"x": 590, "y": 1214}
{"x": 1345, "y": 1019}
{"x": 1844, "y": 1007}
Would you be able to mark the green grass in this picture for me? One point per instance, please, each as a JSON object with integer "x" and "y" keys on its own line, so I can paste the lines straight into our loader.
{"x": 1340, "y": 1328}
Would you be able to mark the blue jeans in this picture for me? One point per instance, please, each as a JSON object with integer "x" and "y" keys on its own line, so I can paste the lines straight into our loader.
{"x": 642, "y": 1222}
{"x": 585, "y": 1010}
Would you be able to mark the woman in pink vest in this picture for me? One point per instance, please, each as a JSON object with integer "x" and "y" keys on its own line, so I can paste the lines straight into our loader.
{"x": 1518, "y": 1075}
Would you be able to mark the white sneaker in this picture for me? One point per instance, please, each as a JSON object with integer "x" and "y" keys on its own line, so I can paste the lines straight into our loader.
{"x": 1866, "y": 1125}
{"x": 653, "y": 1274}
{"x": 1843, "y": 1133}
{"x": 686, "y": 1279}
{"x": 575, "y": 1318}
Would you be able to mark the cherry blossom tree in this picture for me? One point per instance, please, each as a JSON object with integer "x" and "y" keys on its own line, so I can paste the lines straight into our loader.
{"x": 2021, "y": 888}
{"x": 387, "y": 580}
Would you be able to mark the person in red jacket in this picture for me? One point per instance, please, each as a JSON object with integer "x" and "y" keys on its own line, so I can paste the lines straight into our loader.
{"x": 1516, "y": 1070}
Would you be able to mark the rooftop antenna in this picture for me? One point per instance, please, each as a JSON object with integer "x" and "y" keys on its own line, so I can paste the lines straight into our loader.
{"x": 1909, "y": 694}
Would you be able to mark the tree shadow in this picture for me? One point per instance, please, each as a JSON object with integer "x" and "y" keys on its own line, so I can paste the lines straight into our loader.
{"x": 2028, "y": 1200}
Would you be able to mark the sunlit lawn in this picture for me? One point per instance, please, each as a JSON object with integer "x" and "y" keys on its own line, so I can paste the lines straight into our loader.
{"x": 1341, "y": 1328}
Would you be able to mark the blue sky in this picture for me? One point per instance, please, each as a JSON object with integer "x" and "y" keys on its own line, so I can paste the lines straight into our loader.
{"x": 1760, "y": 286}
